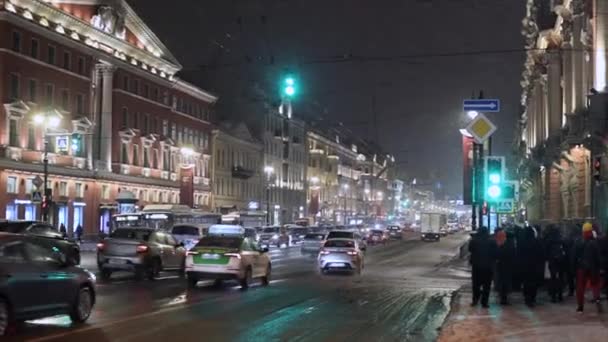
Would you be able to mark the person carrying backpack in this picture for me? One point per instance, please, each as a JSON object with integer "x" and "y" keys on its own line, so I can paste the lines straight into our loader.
{"x": 558, "y": 263}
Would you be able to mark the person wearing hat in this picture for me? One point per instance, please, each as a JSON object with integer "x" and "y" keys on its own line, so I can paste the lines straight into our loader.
{"x": 483, "y": 257}
{"x": 505, "y": 263}
{"x": 588, "y": 262}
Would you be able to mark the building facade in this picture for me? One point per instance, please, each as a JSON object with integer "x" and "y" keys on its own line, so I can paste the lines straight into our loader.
{"x": 116, "y": 115}
{"x": 238, "y": 167}
{"x": 562, "y": 128}
{"x": 285, "y": 159}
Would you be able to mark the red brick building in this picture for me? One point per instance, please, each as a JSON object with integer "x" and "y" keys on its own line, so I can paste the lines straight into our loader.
{"x": 125, "y": 116}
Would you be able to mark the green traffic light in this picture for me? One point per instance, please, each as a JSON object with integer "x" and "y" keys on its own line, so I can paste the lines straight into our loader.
{"x": 289, "y": 86}
{"x": 290, "y": 81}
{"x": 494, "y": 191}
{"x": 290, "y": 90}
{"x": 494, "y": 178}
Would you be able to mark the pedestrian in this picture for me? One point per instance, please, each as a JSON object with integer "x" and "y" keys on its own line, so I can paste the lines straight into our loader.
{"x": 587, "y": 258}
{"x": 572, "y": 235}
{"x": 483, "y": 256}
{"x": 79, "y": 233}
{"x": 505, "y": 264}
{"x": 530, "y": 252}
{"x": 62, "y": 230}
{"x": 604, "y": 252}
{"x": 555, "y": 251}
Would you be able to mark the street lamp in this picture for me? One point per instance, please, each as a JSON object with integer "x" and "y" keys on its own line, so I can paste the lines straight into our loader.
{"x": 268, "y": 170}
{"x": 46, "y": 120}
{"x": 345, "y": 189}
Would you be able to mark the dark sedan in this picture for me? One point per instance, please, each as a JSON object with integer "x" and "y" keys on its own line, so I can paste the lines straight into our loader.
{"x": 37, "y": 280}
{"x": 46, "y": 231}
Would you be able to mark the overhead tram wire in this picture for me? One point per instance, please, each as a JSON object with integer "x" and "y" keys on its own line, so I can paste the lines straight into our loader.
{"x": 349, "y": 58}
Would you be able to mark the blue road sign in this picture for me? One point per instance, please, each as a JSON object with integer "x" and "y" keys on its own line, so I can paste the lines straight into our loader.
{"x": 483, "y": 105}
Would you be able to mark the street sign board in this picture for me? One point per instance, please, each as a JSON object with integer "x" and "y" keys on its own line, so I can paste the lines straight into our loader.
{"x": 481, "y": 105}
{"x": 36, "y": 196}
{"x": 504, "y": 207}
{"x": 481, "y": 128}
{"x": 38, "y": 181}
{"x": 62, "y": 143}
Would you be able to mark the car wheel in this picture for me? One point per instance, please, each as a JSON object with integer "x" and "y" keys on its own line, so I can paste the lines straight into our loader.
{"x": 5, "y": 317}
{"x": 83, "y": 306}
{"x": 192, "y": 281}
{"x": 154, "y": 269}
{"x": 246, "y": 280}
{"x": 266, "y": 278}
{"x": 106, "y": 274}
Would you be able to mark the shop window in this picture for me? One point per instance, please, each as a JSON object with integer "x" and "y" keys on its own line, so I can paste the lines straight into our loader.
{"x": 11, "y": 185}
{"x": 11, "y": 211}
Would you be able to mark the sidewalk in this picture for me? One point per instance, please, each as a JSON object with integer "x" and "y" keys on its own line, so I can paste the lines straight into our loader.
{"x": 516, "y": 322}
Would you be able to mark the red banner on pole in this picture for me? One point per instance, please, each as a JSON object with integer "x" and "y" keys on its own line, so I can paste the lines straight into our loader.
{"x": 313, "y": 208}
{"x": 186, "y": 189}
{"x": 467, "y": 171}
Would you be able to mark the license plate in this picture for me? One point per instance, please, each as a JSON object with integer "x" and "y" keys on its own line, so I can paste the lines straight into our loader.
{"x": 117, "y": 261}
{"x": 211, "y": 256}
{"x": 338, "y": 264}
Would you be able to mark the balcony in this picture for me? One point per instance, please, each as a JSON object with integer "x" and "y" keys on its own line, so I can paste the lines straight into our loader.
{"x": 242, "y": 173}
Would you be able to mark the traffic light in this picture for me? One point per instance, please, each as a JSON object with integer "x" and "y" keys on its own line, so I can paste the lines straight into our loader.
{"x": 76, "y": 142}
{"x": 289, "y": 87}
{"x": 597, "y": 169}
{"x": 494, "y": 177}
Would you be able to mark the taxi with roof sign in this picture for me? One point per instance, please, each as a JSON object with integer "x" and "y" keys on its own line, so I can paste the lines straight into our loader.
{"x": 226, "y": 253}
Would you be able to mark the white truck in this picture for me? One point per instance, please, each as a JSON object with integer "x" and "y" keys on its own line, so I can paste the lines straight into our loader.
{"x": 430, "y": 226}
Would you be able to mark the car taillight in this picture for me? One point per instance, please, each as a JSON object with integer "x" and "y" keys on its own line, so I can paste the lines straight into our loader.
{"x": 234, "y": 255}
{"x": 323, "y": 252}
{"x": 142, "y": 249}
{"x": 101, "y": 246}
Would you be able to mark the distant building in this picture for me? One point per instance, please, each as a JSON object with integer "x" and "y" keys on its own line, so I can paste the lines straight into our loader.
{"x": 123, "y": 117}
{"x": 238, "y": 167}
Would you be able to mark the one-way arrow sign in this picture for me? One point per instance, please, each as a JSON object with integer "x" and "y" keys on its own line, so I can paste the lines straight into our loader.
{"x": 483, "y": 105}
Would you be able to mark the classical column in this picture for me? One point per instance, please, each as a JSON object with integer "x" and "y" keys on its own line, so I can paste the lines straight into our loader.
{"x": 95, "y": 97}
{"x": 578, "y": 59}
{"x": 105, "y": 130}
{"x": 554, "y": 92}
{"x": 567, "y": 79}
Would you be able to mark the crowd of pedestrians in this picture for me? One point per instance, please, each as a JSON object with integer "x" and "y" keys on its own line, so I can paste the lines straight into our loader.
{"x": 561, "y": 260}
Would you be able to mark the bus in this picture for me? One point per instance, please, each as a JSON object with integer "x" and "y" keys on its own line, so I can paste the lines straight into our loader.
{"x": 165, "y": 216}
{"x": 247, "y": 219}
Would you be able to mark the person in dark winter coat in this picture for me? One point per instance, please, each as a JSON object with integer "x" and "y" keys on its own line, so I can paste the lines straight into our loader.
{"x": 572, "y": 235}
{"x": 588, "y": 262}
{"x": 505, "y": 264}
{"x": 530, "y": 251}
{"x": 79, "y": 232}
{"x": 555, "y": 252}
{"x": 62, "y": 230}
{"x": 483, "y": 257}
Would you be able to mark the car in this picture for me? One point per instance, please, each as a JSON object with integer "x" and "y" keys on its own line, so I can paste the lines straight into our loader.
{"x": 377, "y": 236}
{"x": 49, "y": 234}
{"x": 227, "y": 254}
{"x": 312, "y": 243}
{"x": 443, "y": 231}
{"x": 38, "y": 280}
{"x": 340, "y": 255}
{"x": 297, "y": 233}
{"x": 188, "y": 234}
{"x": 273, "y": 236}
{"x": 394, "y": 232}
{"x": 348, "y": 234}
{"x": 144, "y": 251}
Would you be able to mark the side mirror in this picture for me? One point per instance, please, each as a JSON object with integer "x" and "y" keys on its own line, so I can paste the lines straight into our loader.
{"x": 265, "y": 250}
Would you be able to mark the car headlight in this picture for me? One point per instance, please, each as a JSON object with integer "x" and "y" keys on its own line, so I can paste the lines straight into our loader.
{"x": 92, "y": 276}
{"x": 275, "y": 236}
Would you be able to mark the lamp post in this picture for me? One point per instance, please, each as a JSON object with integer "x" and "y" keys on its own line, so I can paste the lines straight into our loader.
{"x": 46, "y": 120}
{"x": 268, "y": 170}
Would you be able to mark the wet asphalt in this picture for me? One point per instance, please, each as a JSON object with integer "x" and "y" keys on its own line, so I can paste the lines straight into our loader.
{"x": 403, "y": 294}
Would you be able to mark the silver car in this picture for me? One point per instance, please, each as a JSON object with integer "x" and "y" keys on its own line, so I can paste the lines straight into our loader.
{"x": 312, "y": 243}
{"x": 140, "y": 250}
{"x": 340, "y": 255}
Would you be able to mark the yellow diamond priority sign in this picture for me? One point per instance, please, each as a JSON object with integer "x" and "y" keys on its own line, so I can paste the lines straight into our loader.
{"x": 481, "y": 128}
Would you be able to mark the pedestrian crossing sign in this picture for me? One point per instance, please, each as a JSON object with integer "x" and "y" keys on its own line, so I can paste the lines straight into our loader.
{"x": 504, "y": 207}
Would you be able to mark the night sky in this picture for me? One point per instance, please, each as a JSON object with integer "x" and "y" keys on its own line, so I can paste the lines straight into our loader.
{"x": 420, "y": 58}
